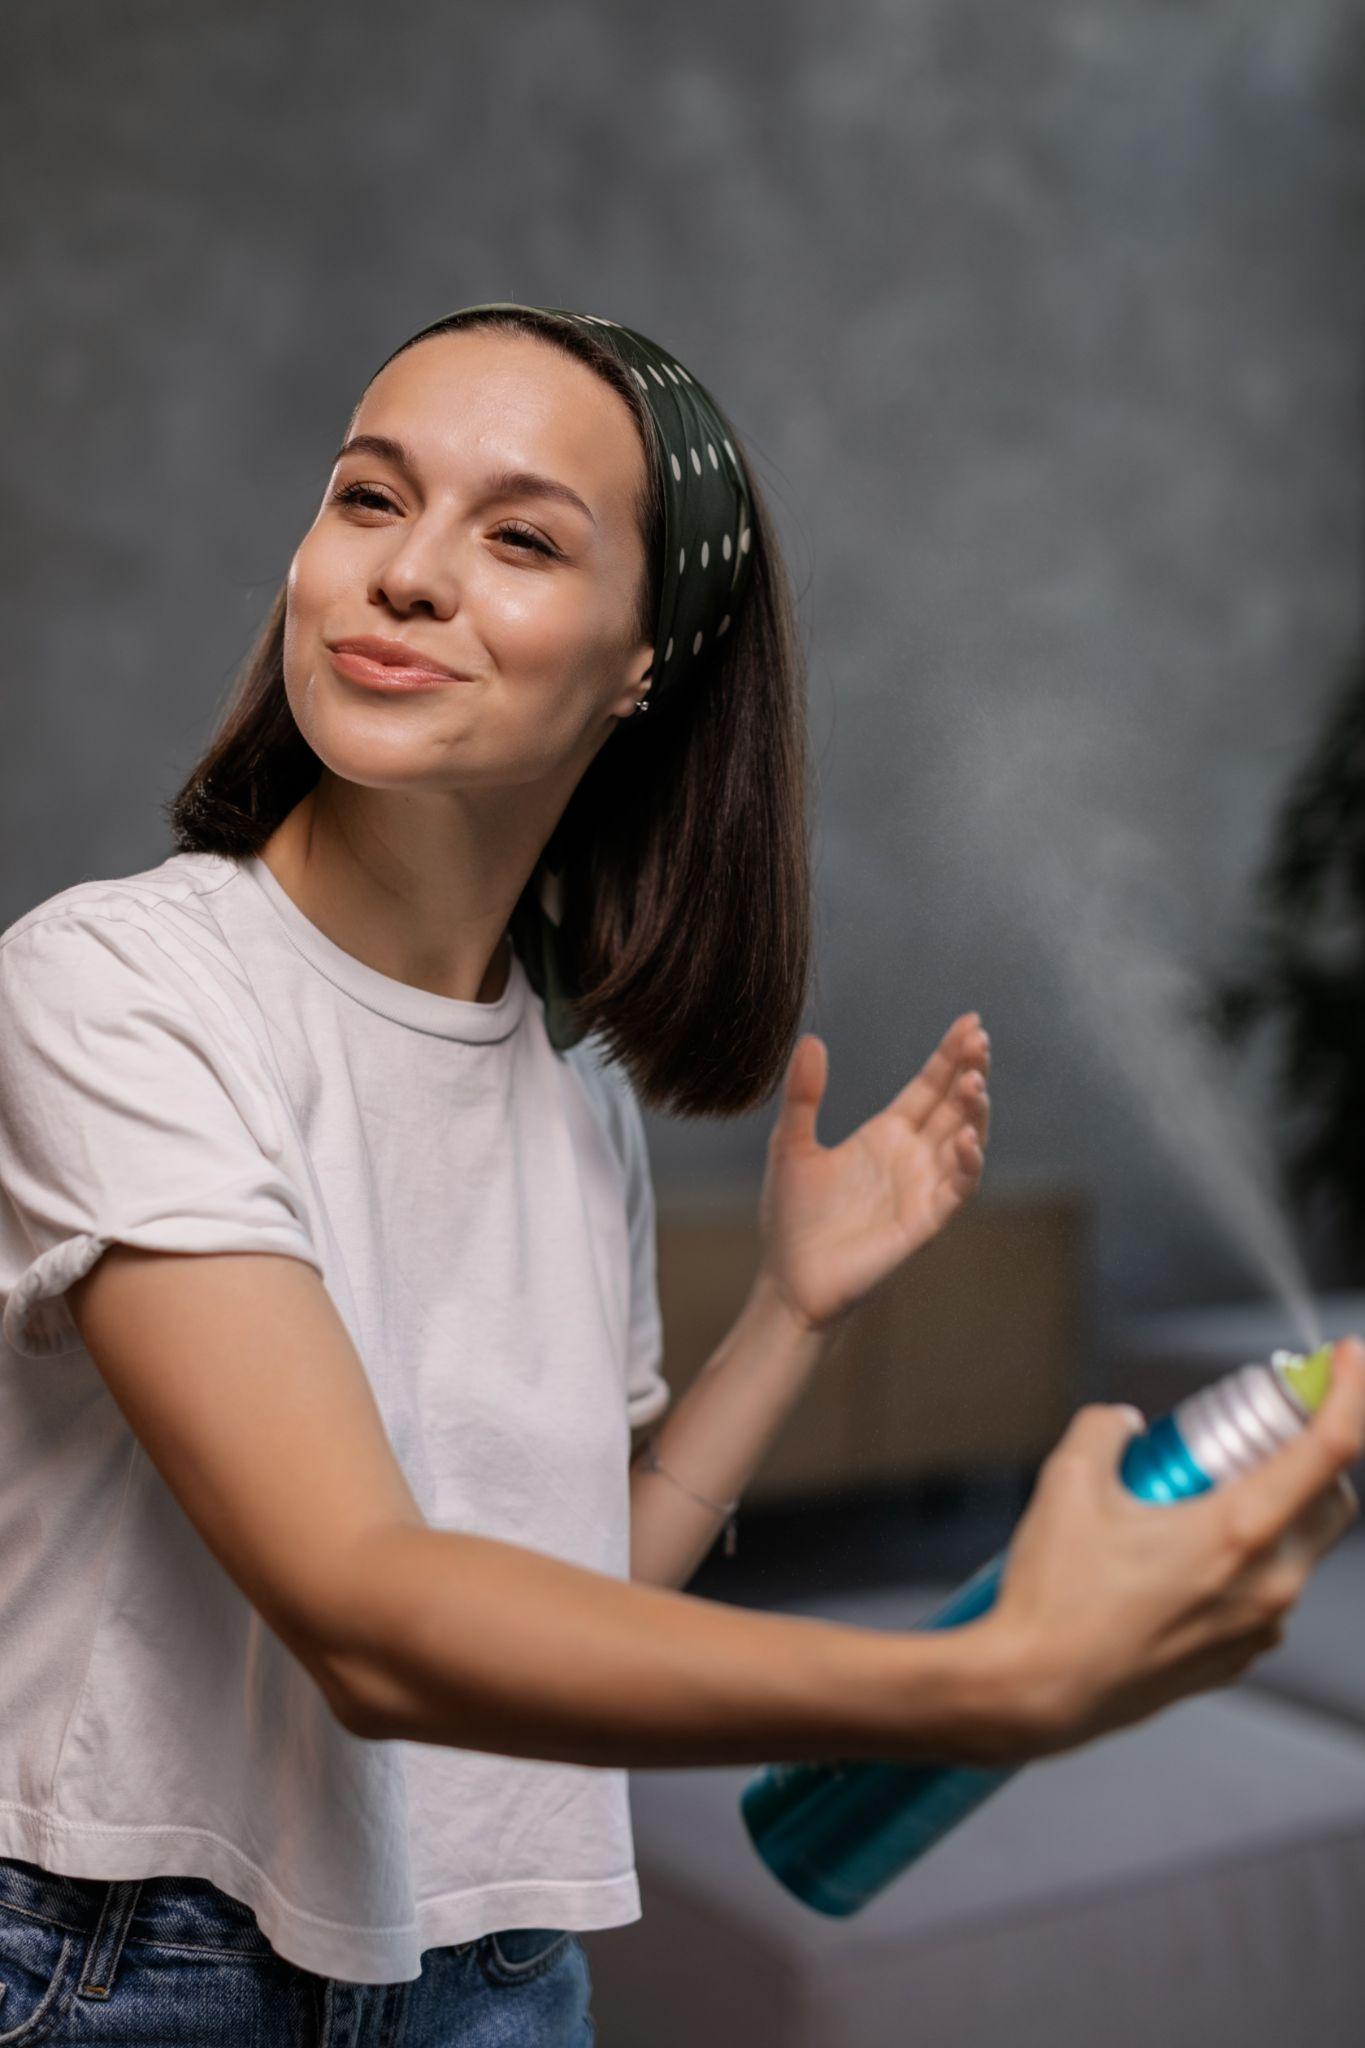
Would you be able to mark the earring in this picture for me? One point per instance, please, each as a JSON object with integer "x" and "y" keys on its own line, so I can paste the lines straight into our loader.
{"x": 641, "y": 704}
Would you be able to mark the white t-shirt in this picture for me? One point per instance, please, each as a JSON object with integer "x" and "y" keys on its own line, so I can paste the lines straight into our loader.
{"x": 187, "y": 1063}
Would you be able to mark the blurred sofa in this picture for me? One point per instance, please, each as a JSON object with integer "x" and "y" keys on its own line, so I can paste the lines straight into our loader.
{"x": 1195, "y": 1880}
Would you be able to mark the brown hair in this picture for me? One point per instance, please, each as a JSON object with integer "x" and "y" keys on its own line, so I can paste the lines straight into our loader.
{"x": 684, "y": 849}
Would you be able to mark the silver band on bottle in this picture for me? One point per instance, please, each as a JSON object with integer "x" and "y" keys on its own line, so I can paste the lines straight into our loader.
{"x": 1230, "y": 1426}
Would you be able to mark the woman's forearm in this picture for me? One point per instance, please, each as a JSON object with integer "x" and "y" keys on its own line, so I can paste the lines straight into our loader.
{"x": 715, "y": 1436}
{"x": 475, "y": 1643}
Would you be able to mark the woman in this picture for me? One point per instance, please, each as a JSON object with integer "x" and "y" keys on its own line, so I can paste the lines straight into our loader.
{"x": 326, "y": 1675}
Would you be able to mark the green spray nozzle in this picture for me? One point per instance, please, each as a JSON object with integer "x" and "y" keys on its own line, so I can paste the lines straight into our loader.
{"x": 1305, "y": 1377}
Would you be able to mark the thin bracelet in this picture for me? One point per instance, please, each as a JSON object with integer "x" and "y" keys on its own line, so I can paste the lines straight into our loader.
{"x": 651, "y": 1464}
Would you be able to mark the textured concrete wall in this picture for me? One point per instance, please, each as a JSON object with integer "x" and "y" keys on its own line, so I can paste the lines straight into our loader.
{"x": 1043, "y": 325}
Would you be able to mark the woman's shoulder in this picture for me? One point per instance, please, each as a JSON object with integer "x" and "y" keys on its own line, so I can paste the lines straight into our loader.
{"x": 153, "y": 930}
{"x": 181, "y": 881}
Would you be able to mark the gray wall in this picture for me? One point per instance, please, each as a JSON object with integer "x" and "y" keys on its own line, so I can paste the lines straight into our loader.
{"x": 1042, "y": 324}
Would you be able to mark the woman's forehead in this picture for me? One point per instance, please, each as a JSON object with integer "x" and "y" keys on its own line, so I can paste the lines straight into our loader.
{"x": 465, "y": 403}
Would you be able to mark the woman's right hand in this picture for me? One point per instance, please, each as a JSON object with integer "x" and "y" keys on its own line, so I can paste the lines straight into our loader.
{"x": 1111, "y": 1607}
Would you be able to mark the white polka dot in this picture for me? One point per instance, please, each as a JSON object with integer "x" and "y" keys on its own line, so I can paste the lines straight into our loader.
{"x": 724, "y": 625}
{"x": 744, "y": 542}
{"x": 681, "y": 371}
{"x": 725, "y": 547}
{"x": 682, "y": 560}
{"x": 729, "y": 451}
{"x": 715, "y": 459}
{"x": 638, "y": 378}
{"x": 668, "y": 651}
{"x": 705, "y": 553}
{"x": 696, "y": 644}
{"x": 657, "y": 378}
{"x": 671, "y": 372}
{"x": 677, "y": 467}
{"x": 696, "y": 460}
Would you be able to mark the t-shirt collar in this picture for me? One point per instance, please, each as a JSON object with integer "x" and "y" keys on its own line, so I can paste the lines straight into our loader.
{"x": 421, "y": 1009}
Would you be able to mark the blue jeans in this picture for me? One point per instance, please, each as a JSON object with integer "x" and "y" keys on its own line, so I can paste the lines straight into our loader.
{"x": 176, "y": 1960}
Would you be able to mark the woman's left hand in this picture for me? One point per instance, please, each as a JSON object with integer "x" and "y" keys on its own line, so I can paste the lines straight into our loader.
{"x": 835, "y": 1220}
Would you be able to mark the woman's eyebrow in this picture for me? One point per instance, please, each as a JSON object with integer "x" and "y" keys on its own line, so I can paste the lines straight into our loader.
{"x": 506, "y": 483}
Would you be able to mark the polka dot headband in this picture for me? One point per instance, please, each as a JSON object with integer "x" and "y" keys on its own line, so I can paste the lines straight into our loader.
{"x": 708, "y": 512}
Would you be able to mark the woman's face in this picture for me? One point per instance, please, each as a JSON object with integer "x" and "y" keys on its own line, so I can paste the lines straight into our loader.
{"x": 529, "y": 596}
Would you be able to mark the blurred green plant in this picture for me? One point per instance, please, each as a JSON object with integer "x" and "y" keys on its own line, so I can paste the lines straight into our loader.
{"x": 1303, "y": 975}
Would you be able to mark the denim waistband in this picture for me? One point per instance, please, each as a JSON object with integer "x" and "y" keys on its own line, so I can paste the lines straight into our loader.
{"x": 187, "y": 1912}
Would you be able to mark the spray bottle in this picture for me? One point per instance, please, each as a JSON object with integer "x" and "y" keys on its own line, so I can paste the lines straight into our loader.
{"x": 837, "y": 1833}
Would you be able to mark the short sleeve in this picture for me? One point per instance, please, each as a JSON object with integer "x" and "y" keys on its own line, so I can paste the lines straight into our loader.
{"x": 647, "y": 1391}
{"x": 129, "y": 1113}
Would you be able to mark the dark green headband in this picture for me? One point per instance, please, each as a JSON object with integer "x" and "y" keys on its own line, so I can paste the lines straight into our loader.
{"x": 707, "y": 542}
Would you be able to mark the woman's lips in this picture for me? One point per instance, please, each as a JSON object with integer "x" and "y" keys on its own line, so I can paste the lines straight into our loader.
{"x": 384, "y": 675}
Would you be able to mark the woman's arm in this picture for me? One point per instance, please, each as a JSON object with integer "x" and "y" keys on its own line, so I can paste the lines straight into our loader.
{"x": 239, "y": 1377}
{"x": 1109, "y": 1609}
{"x": 716, "y": 1435}
{"x": 833, "y": 1221}
{"x": 469, "y": 1641}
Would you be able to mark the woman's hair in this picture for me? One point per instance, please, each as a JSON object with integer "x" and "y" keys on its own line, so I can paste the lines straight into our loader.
{"x": 684, "y": 849}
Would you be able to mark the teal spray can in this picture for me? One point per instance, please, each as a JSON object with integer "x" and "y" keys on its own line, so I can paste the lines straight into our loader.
{"x": 836, "y": 1834}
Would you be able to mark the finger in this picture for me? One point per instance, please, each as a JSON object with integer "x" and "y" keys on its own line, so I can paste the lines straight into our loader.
{"x": 958, "y": 1139}
{"x": 1093, "y": 1442}
{"x": 980, "y": 1106}
{"x": 1252, "y": 1644}
{"x": 966, "y": 1089}
{"x": 960, "y": 1175}
{"x": 974, "y": 1053}
{"x": 966, "y": 1103}
{"x": 1322, "y": 1524}
{"x": 917, "y": 1099}
{"x": 945, "y": 1201}
{"x": 960, "y": 1158}
{"x": 1263, "y": 1503}
{"x": 803, "y": 1088}
{"x": 1194, "y": 1666}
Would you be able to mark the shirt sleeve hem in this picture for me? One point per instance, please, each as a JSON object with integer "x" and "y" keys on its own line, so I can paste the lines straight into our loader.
{"x": 37, "y": 1322}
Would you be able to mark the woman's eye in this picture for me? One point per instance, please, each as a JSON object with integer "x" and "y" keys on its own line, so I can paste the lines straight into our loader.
{"x": 365, "y": 494}
{"x": 528, "y": 534}
{"x": 355, "y": 494}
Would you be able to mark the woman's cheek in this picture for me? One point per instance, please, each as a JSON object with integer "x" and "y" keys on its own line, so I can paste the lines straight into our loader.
{"x": 536, "y": 633}
{"x": 314, "y": 580}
